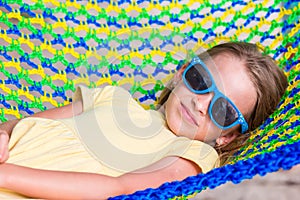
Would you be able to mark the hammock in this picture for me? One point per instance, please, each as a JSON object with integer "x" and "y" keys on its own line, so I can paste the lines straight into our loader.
{"x": 47, "y": 48}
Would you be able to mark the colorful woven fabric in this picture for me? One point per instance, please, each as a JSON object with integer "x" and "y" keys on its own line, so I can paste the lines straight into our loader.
{"x": 49, "y": 47}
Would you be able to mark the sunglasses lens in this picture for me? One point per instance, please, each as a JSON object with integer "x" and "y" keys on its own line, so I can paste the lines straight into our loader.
{"x": 223, "y": 112}
{"x": 198, "y": 78}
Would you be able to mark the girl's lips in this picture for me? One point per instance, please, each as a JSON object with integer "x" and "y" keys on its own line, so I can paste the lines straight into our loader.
{"x": 186, "y": 113}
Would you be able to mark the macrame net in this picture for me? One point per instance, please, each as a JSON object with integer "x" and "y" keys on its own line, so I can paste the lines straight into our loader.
{"x": 49, "y": 47}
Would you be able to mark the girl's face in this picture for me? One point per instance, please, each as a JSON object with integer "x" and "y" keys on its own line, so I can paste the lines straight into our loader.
{"x": 187, "y": 113}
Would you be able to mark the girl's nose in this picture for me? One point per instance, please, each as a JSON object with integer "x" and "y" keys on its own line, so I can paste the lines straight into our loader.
{"x": 201, "y": 102}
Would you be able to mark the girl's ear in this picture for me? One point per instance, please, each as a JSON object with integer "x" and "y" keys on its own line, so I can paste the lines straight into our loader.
{"x": 226, "y": 139}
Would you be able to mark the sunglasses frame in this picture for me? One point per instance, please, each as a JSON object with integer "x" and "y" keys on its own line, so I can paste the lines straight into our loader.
{"x": 217, "y": 94}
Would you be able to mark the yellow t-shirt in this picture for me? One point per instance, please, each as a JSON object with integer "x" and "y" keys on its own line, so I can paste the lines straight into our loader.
{"x": 113, "y": 135}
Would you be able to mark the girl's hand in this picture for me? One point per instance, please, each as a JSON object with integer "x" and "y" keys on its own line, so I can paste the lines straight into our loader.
{"x": 4, "y": 139}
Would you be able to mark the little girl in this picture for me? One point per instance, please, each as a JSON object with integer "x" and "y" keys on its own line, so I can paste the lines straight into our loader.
{"x": 105, "y": 144}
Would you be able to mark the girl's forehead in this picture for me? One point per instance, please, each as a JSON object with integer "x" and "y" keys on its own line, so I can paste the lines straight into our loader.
{"x": 233, "y": 80}
{"x": 217, "y": 66}
{"x": 228, "y": 72}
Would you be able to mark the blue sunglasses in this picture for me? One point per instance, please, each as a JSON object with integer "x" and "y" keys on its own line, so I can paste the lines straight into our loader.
{"x": 222, "y": 110}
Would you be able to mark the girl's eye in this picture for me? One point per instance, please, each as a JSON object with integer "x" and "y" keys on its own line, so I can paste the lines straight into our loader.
{"x": 198, "y": 78}
{"x": 231, "y": 114}
{"x": 223, "y": 112}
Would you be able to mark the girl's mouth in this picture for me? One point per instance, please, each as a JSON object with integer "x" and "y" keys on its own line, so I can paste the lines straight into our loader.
{"x": 186, "y": 113}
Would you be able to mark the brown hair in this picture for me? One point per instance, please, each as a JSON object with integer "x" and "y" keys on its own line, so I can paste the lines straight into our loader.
{"x": 268, "y": 79}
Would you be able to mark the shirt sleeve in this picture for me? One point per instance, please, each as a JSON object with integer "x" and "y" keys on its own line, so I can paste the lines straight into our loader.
{"x": 87, "y": 96}
{"x": 202, "y": 154}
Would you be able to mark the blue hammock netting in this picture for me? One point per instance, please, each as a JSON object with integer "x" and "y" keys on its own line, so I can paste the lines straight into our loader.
{"x": 47, "y": 48}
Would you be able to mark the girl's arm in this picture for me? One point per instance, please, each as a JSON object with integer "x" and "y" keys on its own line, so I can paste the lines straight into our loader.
{"x": 73, "y": 185}
{"x": 54, "y": 113}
